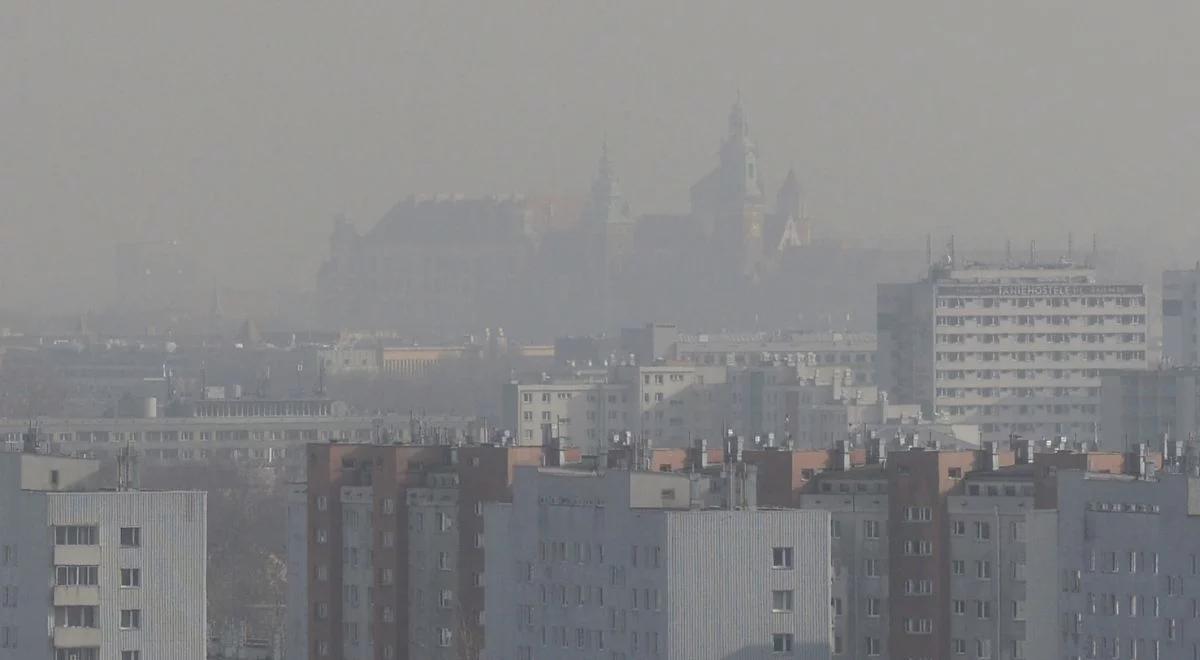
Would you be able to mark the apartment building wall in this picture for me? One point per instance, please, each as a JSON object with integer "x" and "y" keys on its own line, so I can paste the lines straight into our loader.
{"x": 857, "y": 502}
{"x": 617, "y": 564}
{"x": 39, "y": 493}
{"x": 1149, "y": 405}
{"x": 1180, "y": 309}
{"x": 1124, "y": 580}
{"x": 988, "y": 580}
{"x": 918, "y": 484}
{"x": 401, "y": 528}
{"x": 1013, "y": 350}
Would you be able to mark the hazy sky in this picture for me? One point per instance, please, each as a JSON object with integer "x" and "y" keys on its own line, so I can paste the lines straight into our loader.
{"x": 246, "y": 126}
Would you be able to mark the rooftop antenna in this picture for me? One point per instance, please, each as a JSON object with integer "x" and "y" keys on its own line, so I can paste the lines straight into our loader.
{"x": 1032, "y": 252}
{"x": 320, "y": 388}
{"x": 1070, "y": 245}
{"x": 1095, "y": 250}
{"x": 1008, "y": 251}
{"x": 950, "y": 247}
{"x": 928, "y": 250}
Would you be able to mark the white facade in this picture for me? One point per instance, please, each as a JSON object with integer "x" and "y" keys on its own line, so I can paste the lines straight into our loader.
{"x": 98, "y": 575}
{"x": 1125, "y": 580}
{"x": 669, "y": 404}
{"x": 1014, "y": 350}
{"x": 618, "y": 565}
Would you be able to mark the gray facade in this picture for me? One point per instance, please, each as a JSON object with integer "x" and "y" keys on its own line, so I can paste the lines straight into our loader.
{"x": 1148, "y": 406}
{"x": 1180, "y": 308}
{"x": 1125, "y": 580}
{"x": 98, "y": 572}
{"x": 619, "y": 564}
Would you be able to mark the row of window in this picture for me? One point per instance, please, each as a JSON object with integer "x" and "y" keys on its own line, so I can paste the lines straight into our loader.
{"x": 1087, "y": 301}
{"x": 991, "y": 338}
{"x": 129, "y": 537}
{"x": 87, "y": 616}
{"x": 89, "y": 576}
{"x": 1030, "y": 320}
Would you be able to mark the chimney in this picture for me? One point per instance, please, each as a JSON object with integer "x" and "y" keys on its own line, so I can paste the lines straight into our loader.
{"x": 876, "y": 449}
{"x": 843, "y": 455}
{"x": 1022, "y": 449}
{"x": 699, "y": 455}
{"x": 991, "y": 456}
{"x": 1137, "y": 462}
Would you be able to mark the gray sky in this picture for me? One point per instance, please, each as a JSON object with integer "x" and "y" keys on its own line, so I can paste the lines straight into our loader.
{"x": 244, "y": 127}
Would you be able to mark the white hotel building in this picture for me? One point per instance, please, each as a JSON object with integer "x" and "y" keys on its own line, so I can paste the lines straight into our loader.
{"x": 1014, "y": 349}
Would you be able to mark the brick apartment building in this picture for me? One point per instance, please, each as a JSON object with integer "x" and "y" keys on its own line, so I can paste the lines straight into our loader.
{"x": 384, "y": 553}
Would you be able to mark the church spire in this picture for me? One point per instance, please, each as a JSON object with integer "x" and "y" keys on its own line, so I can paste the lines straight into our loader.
{"x": 738, "y": 126}
{"x": 606, "y": 203}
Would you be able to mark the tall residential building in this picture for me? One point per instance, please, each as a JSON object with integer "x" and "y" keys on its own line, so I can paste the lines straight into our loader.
{"x": 1123, "y": 582}
{"x": 1180, "y": 310}
{"x": 630, "y": 564}
{"x": 91, "y": 574}
{"x": 385, "y": 553}
{"x": 1149, "y": 406}
{"x": 1015, "y": 349}
{"x": 931, "y": 548}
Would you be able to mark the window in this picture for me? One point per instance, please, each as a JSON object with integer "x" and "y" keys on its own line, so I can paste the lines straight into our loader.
{"x": 958, "y": 567}
{"x": 835, "y": 606}
{"x": 983, "y": 648}
{"x": 131, "y": 619}
{"x": 983, "y": 570}
{"x": 871, "y": 567}
{"x": 444, "y": 522}
{"x": 781, "y": 557}
{"x": 958, "y": 528}
{"x": 444, "y": 637}
{"x": 131, "y": 537}
{"x": 983, "y": 531}
{"x": 983, "y": 609}
{"x": 873, "y": 607}
{"x": 871, "y": 529}
{"x": 918, "y": 626}
{"x": 781, "y": 601}
{"x": 76, "y": 535}
{"x": 131, "y": 655}
{"x": 782, "y": 642}
{"x": 71, "y": 576}
{"x": 75, "y": 616}
{"x": 873, "y": 645}
{"x": 835, "y": 528}
{"x": 918, "y": 514}
{"x": 131, "y": 577}
{"x": 959, "y": 646}
{"x": 960, "y": 607}
{"x": 77, "y": 653}
{"x": 322, "y": 503}
{"x": 444, "y": 561}
{"x": 446, "y": 599}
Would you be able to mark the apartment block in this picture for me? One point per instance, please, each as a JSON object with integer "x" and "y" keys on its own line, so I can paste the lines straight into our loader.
{"x": 1149, "y": 406}
{"x": 385, "y": 552}
{"x": 668, "y": 404}
{"x": 931, "y": 547}
{"x": 1124, "y": 581}
{"x": 91, "y": 574}
{"x": 629, "y": 564}
{"x": 1014, "y": 349}
{"x": 1180, "y": 310}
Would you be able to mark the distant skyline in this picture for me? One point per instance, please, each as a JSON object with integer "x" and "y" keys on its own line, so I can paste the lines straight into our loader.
{"x": 245, "y": 128}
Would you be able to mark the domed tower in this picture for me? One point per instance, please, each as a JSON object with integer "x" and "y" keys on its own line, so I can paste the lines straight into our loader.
{"x": 728, "y": 204}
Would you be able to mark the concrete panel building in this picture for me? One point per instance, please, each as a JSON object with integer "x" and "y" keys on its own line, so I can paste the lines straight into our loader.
{"x": 1015, "y": 349}
{"x": 1180, "y": 311}
{"x": 91, "y": 574}
{"x": 1123, "y": 580}
{"x": 627, "y": 564}
{"x": 385, "y": 546}
{"x": 1149, "y": 406}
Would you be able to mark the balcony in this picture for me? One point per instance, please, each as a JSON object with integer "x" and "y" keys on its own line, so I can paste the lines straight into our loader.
{"x": 77, "y": 595}
{"x": 76, "y": 555}
{"x": 76, "y": 637}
